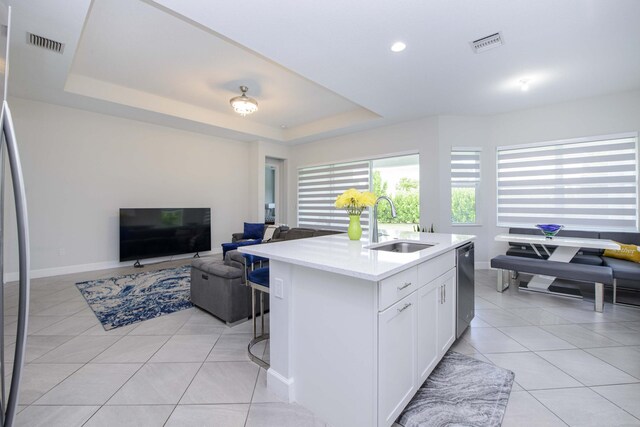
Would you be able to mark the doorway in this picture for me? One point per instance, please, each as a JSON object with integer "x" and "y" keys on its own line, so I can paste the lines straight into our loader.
{"x": 269, "y": 194}
{"x": 273, "y": 191}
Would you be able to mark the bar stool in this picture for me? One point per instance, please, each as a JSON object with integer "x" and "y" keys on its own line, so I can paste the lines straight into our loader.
{"x": 258, "y": 279}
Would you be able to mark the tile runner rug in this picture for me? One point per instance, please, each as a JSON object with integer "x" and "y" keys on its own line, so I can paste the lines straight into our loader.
{"x": 461, "y": 391}
{"x": 123, "y": 300}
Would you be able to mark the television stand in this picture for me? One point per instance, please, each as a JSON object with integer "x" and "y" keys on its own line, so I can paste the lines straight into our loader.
{"x": 197, "y": 255}
{"x": 137, "y": 264}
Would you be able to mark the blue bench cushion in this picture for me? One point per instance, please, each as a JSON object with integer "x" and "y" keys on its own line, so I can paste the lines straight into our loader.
{"x": 562, "y": 270}
{"x": 259, "y": 276}
{"x": 622, "y": 269}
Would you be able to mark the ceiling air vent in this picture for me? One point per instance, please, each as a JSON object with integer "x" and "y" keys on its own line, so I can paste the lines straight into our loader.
{"x": 486, "y": 43}
{"x": 45, "y": 43}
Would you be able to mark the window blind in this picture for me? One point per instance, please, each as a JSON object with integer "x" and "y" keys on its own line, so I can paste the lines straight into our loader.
{"x": 465, "y": 167}
{"x": 586, "y": 184}
{"x": 318, "y": 188}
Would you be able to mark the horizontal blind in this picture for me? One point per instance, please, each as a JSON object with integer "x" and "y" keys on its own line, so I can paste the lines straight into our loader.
{"x": 318, "y": 188}
{"x": 584, "y": 184}
{"x": 465, "y": 167}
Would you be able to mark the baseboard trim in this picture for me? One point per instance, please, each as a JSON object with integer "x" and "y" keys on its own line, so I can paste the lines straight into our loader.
{"x": 81, "y": 268}
{"x": 280, "y": 386}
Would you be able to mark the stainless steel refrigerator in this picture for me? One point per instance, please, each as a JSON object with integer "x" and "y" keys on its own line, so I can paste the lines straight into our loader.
{"x": 11, "y": 169}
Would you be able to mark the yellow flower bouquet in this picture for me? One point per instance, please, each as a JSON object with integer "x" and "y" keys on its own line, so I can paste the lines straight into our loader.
{"x": 354, "y": 201}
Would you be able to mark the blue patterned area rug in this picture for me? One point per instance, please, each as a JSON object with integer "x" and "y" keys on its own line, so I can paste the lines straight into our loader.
{"x": 124, "y": 300}
{"x": 461, "y": 391}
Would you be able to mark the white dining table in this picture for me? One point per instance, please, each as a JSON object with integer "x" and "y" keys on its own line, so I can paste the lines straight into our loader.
{"x": 566, "y": 249}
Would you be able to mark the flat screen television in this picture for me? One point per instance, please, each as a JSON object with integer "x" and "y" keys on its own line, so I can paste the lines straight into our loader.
{"x": 157, "y": 232}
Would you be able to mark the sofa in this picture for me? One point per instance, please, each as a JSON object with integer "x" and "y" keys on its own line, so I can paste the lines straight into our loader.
{"x": 240, "y": 239}
{"x": 217, "y": 286}
{"x": 283, "y": 233}
{"x": 626, "y": 274}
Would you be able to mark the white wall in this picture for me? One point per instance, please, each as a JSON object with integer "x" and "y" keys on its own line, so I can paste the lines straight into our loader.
{"x": 434, "y": 137}
{"x": 81, "y": 167}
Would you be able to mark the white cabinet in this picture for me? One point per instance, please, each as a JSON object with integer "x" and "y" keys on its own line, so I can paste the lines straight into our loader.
{"x": 446, "y": 311}
{"x": 413, "y": 335}
{"x": 396, "y": 358}
{"x": 427, "y": 317}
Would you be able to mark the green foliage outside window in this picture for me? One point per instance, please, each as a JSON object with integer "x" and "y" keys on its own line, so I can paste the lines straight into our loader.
{"x": 463, "y": 205}
{"x": 406, "y": 200}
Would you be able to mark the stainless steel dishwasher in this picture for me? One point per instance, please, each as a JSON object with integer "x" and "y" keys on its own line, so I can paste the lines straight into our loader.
{"x": 465, "y": 287}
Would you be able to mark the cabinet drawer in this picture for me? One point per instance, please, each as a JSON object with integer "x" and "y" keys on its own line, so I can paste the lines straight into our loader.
{"x": 436, "y": 267}
{"x": 396, "y": 287}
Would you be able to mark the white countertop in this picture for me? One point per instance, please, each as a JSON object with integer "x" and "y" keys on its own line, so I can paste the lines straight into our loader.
{"x": 576, "y": 242}
{"x": 338, "y": 254}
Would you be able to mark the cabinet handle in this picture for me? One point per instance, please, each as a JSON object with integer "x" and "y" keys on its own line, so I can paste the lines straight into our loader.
{"x": 406, "y": 285}
{"x": 404, "y": 307}
{"x": 444, "y": 289}
{"x": 441, "y": 295}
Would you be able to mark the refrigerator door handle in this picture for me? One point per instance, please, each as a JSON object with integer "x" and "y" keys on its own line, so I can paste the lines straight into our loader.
{"x": 24, "y": 261}
{"x": 3, "y": 392}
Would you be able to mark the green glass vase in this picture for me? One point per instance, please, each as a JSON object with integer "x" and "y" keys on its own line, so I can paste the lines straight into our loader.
{"x": 355, "y": 230}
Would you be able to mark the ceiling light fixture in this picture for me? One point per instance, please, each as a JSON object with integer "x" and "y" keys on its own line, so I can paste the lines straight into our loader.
{"x": 242, "y": 104}
{"x": 524, "y": 85}
{"x": 398, "y": 47}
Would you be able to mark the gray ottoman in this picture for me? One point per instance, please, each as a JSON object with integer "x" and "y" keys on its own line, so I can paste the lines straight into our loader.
{"x": 219, "y": 289}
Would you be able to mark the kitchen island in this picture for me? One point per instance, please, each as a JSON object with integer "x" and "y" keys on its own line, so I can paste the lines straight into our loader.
{"x": 355, "y": 331}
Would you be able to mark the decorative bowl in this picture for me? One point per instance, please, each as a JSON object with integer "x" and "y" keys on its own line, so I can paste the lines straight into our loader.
{"x": 549, "y": 230}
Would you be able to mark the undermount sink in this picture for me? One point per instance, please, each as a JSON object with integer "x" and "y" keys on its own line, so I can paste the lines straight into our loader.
{"x": 402, "y": 247}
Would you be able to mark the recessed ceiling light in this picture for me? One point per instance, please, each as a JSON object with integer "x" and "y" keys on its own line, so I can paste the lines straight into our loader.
{"x": 283, "y": 126}
{"x": 398, "y": 47}
{"x": 524, "y": 85}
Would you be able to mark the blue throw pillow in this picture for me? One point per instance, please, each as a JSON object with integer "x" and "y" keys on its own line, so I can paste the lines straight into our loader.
{"x": 253, "y": 231}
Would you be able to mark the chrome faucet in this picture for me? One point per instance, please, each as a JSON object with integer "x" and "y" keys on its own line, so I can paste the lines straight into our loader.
{"x": 374, "y": 233}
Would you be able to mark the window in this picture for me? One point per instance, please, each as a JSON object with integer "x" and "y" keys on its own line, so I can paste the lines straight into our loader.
{"x": 394, "y": 177}
{"x": 318, "y": 188}
{"x": 399, "y": 179}
{"x": 586, "y": 183}
{"x": 465, "y": 178}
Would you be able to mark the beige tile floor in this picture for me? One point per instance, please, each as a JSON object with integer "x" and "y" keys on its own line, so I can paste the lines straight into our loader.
{"x": 573, "y": 366}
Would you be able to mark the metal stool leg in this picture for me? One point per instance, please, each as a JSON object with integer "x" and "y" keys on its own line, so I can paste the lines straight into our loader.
{"x": 263, "y": 336}
{"x": 262, "y": 312}
{"x": 253, "y": 310}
